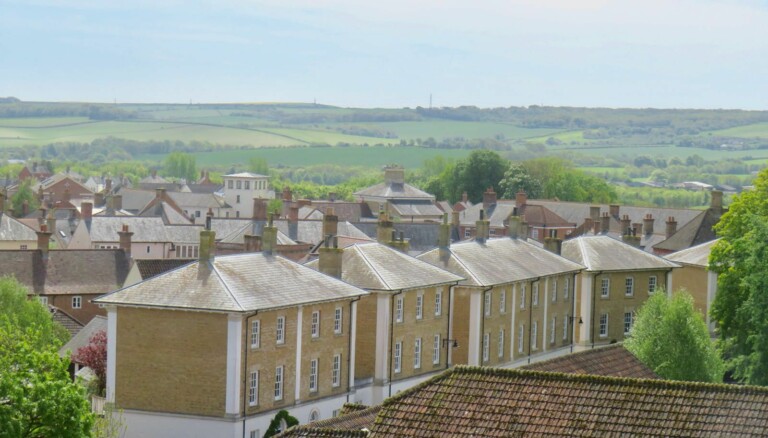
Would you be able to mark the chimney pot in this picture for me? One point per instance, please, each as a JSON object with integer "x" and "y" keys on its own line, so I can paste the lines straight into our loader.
{"x": 489, "y": 198}
{"x": 521, "y": 198}
{"x": 614, "y": 210}
{"x": 648, "y": 224}
{"x": 671, "y": 227}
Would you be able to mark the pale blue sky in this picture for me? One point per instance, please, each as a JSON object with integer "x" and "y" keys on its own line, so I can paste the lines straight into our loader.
{"x": 653, "y": 53}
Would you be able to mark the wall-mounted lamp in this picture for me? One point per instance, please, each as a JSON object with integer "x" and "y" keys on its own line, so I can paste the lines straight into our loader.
{"x": 452, "y": 342}
{"x": 571, "y": 318}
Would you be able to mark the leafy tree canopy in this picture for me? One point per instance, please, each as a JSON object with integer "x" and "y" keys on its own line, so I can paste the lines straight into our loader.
{"x": 181, "y": 165}
{"x": 517, "y": 178}
{"x": 25, "y": 193}
{"x": 474, "y": 174}
{"x": 26, "y": 314}
{"x": 741, "y": 304}
{"x": 671, "y": 338}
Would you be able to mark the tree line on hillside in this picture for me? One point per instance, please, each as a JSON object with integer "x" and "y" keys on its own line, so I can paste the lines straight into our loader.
{"x": 18, "y": 109}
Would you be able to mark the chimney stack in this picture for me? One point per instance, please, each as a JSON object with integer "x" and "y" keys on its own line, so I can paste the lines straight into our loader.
{"x": 117, "y": 202}
{"x": 521, "y": 198}
{"x": 489, "y": 198}
{"x": 626, "y": 224}
{"x": 648, "y": 221}
{"x": 514, "y": 226}
{"x": 108, "y": 185}
{"x": 207, "y": 243}
{"x": 159, "y": 193}
{"x": 671, "y": 227}
{"x": 613, "y": 210}
{"x": 86, "y": 211}
{"x": 24, "y": 208}
{"x": 43, "y": 240}
{"x": 716, "y": 203}
{"x": 259, "y": 209}
{"x": 605, "y": 223}
{"x": 594, "y": 212}
{"x": 269, "y": 238}
{"x": 631, "y": 237}
{"x": 444, "y": 238}
{"x": 384, "y": 228}
{"x": 588, "y": 225}
{"x": 482, "y": 228}
{"x": 330, "y": 223}
{"x": 523, "y": 228}
{"x": 330, "y": 257}
{"x": 552, "y": 243}
{"x": 125, "y": 240}
{"x": 51, "y": 220}
{"x": 399, "y": 243}
{"x": 252, "y": 243}
{"x": 394, "y": 175}
{"x": 287, "y": 195}
{"x": 98, "y": 198}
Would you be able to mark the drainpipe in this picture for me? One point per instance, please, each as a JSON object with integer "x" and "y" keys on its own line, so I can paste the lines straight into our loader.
{"x": 246, "y": 374}
{"x": 530, "y": 320}
{"x": 349, "y": 346}
{"x": 448, "y": 335}
{"x": 482, "y": 326}
{"x": 573, "y": 308}
{"x": 594, "y": 299}
{"x": 391, "y": 340}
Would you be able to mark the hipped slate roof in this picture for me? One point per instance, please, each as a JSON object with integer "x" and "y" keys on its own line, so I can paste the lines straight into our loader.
{"x": 11, "y": 229}
{"x": 696, "y": 256}
{"x": 75, "y": 272}
{"x": 602, "y": 253}
{"x": 503, "y": 209}
{"x": 374, "y": 266}
{"x": 83, "y": 336}
{"x": 492, "y": 402}
{"x": 697, "y": 231}
{"x": 145, "y": 229}
{"x": 393, "y": 191}
{"x": 236, "y": 283}
{"x": 499, "y": 261}
{"x": 613, "y": 360}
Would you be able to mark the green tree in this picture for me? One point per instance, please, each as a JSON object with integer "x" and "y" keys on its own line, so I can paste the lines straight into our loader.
{"x": 517, "y": 178}
{"x": 474, "y": 174}
{"x": 181, "y": 165}
{"x": 37, "y": 396}
{"x": 258, "y": 165}
{"x": 672, "y": 339}
{"x": 282, "y": 421}
{"x": 24, "y": 193}
{"x": 741, "y": 304}
{"x": 27, "y": 314}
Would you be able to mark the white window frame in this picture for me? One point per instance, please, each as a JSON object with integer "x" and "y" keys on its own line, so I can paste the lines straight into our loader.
{"x": 419, "y": 305}
{"x": 486, "y": 346}
{"x": 535, "y": 296}
{"x": 629, "y": 286}
{"x": 500, "y": 346}
{"x": 338, "y": 318}
{"x": 417, "y": 353}
{"x": 503, "y": 301}
{"x": 398, "y": 360}
{"x": 315, "y": 326}
{"x": 653, "y": 283}
{"x": 552, "y": 331}
{"x": 77, "y": 302}
{"x": 399, "y": 309}
{"x": 603, "y": 326}
{"x": 520, "y": 338}
{"x": 255, "y": 333}
{"x": 280, "y": 330}
{"x": 253, "y": 388}
{"x": 522, "y": 296}
{"x": 534, "y": 335}
{"x": 336, "y": 371}
{"x": 42, "y": 300}
{"x": 439, "y": 302}
{"x": 436, "y": 349}
{"x": 313, "y": 375}
{"x": 487, "y": 298}
{"x": 605, "y": 287}
{"x": 566, "y": 288}
{"x": 467, "y": 233}
{"x": 565, "y": 327}
{"x": 279, "y": 377}
{"x": 628, "y": 322}
{"x": 554, "y": 290}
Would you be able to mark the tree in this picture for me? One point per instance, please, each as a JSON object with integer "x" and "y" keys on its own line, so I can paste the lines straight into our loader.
{"x": 24, "y": 193}
{"x": 181, "y": 165}
{"x": 94, "y": 356}
{"x": 517, "y": 178}
{"x": 258, "y": 165}
{"x": 37, "y": 397}
{"x": 25, "y": 313}
{"x": 671, "y": 338}
{"x": 282, "y": 421}
{"x": 474, "y": 174}
{"x": 741, "y": 304}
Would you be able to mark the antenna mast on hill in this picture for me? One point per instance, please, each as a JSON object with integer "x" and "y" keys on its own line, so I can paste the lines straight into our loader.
{"x": 430, "y": 100}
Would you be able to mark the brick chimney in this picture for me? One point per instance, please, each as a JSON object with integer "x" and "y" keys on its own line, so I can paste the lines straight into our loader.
{"x": 523, "y": 228}
{"x": 482, "y": 228}
{"x": 521, "y": 198}
{"x": 588, "y": 225}
{"x": 513, "y": 227}
{"x": 626, "y": 224}
{"x": 252, "y": 243}
{"x": 330, "y": 257}
{"x": 269, "y": 238}
{"x": 384, "y": 228}
{"x": 160, "y": 193}
{"x": 716, "y": 202}
{"x": 399, "y": 243}
{"x": 671, "y": 227}
{"x": 594, "y": 212}
{"x": 605, "y": 223}
{"x": 108, "y": 185}
{"x": 125, "y": 240}
{"x": 489, "y": 198}
{"x": 86, "y": 211}
{"x": 552, "y": 243}
{"x": 330, "y": 222}
{"x": 98, "y": 198}
{"x": 24, "y": 208}
{"x": 51, "y": 220}
{"x": 207, "y": 243}
{"x": 259, "y": 209}
{"x": 293, "y": 222}
{"x": 631, "y": 238}
{"x": 43, "y": 240}
{"x": 293, "y": 213}
{"x": 117, "y": 202}
{"x": 648, "y": 221}
{"x": 613, "y": 210}
{"x": 287, "y": 195}
{"x": 394, "y": 175}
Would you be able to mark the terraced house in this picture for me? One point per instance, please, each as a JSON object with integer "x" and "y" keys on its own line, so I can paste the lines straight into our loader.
{"x": 403, "y": 325}
{"x": 619, "y": 278}
{"x": 516, "y": 300}
{"x": 218, "y": 346}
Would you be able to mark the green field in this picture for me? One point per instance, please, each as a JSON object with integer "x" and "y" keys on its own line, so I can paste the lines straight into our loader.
{"x": 756, "y": 130}
{"x": 440, "y": 129}
{"x": 411, "y": 158}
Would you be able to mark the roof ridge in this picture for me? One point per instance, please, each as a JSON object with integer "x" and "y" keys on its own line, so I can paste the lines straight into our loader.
{"x": 584, "y": 258}
{"x": 466, "y": 268}
{"x": 370, "y": 265}
{"x": 226, "y": 286}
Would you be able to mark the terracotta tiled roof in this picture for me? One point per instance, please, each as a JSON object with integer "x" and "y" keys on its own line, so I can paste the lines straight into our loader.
{"x": 72, "y": 325}
{"x": 353, "y": 419}
{"x": 492, "y": 402}
{"x": 613, "y": 360}
{"x": 149, "y": 268}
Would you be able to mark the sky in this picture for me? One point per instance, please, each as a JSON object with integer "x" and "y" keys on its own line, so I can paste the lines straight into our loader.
{"x": 393, "y": 53}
